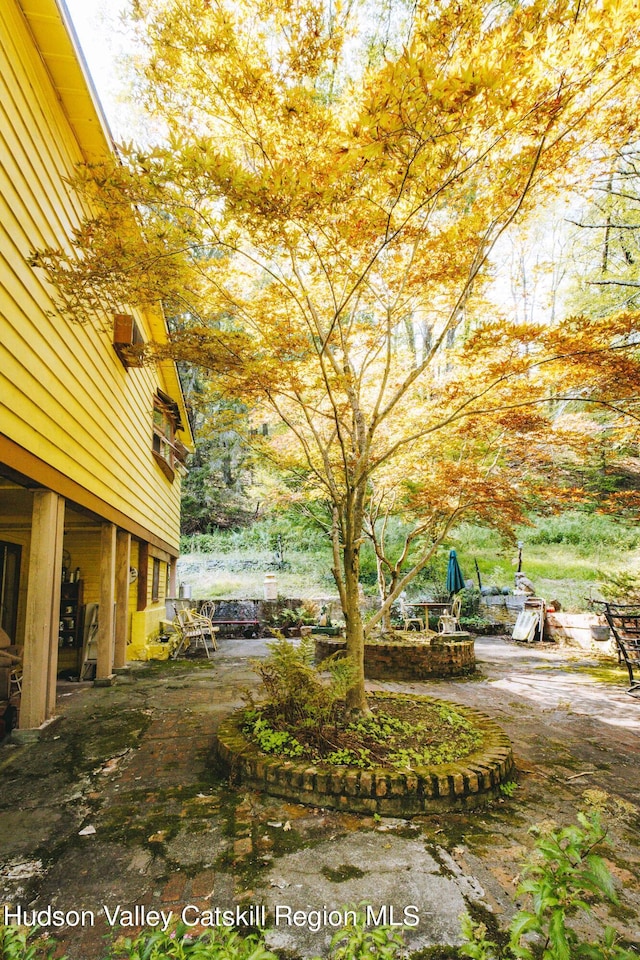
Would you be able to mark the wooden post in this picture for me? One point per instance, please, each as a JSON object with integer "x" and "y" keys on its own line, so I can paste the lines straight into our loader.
{"x": 173, "y": 576}
{"x": 40, "y": 656}
{"x": 104, "y": 666}
{"x": 143, "y": 575}
{"x": 123, "y": 562}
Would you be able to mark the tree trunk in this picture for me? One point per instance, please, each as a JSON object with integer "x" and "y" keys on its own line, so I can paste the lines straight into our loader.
{"x": 356, "y": 697}
{"x": 384, "y": 593}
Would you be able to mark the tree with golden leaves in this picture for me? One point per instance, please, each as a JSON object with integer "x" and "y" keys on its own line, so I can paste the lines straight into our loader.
{"x": 318, "y": 213}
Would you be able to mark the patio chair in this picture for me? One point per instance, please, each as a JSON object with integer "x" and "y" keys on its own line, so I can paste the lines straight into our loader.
{"x": 408, "y": 616}
{"x": 208, "y": 609}
{"x": 624, "y": 621}
{"x": 195, "y": 628}
{"x": 10, "y": 669}
{"x": 450, "y": 622}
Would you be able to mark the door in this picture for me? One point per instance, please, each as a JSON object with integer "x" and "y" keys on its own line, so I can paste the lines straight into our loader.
{"x": 10, "y": 556}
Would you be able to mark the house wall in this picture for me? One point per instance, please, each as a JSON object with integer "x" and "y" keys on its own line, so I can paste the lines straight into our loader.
{"x": 65, "y": 397}
{"x": 78, "y": 478}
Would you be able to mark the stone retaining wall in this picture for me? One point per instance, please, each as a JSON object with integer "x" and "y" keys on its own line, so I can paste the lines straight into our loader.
{"x": 462, "y": 785}
{"x": 410, "y": 659}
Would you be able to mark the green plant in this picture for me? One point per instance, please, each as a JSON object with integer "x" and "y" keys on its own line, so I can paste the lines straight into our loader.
{"x": 508, "y": 788}
{"x": 350, "y": 758}
{"x": 270, "y": 740}
{"x": 294, "y": 689}
{"x": 356, "y": 941}
{"x": 288, "y": 617}
{"x": 565, "y": 878}
{"x": 220, "y": 943}
{"x": 622, "y": 587}
{"x": 470, "y": 606}
{"x": 16, "y": 944}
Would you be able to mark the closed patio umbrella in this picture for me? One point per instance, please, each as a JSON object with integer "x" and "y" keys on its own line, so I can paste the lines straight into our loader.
{"x": 455, "y": 580}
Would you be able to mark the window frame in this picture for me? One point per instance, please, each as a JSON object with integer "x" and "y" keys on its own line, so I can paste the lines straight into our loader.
{"x": 167, "y": 450}
{"x": 155, "y": 580}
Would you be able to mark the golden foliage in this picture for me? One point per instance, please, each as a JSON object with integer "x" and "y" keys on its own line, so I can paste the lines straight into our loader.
{"x": 319, "y": 217}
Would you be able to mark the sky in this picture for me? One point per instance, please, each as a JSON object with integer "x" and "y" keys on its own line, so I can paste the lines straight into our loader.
{"x": 103, "y": 41}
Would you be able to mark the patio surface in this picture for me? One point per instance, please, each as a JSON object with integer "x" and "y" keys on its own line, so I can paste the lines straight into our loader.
{"x": 120, "y": 806}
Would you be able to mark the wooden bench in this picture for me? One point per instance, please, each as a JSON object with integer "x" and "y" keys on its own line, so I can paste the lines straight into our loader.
{"x": 254, "y": 624}
{"x": 624, "y": 621}
{"x": 209, "y": 607}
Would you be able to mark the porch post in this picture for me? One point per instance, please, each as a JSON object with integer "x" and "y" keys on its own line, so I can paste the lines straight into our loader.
{"x": 40, "y": 658}
{"x": 173, "y": 572}
{"x": 123, "y": 562}
{"x": 104, "y": 666}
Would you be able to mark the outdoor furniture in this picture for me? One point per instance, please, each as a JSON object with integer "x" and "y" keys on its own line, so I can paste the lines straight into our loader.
{"x": 408, "y": 617}
{"x": 449, "y": 622}
{"x": 624, "y": 621}
{"x": 245, "y": 623}
{"x": 10, "y": 671}
{"x": 193, "y": 628}
{"x": 207, "y": 609}
{"x": 432, "y": 608}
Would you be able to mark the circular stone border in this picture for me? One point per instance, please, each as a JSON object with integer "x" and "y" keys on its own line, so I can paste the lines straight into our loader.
{"x": 462, "y": 785}
{"x": 410, "y": 657}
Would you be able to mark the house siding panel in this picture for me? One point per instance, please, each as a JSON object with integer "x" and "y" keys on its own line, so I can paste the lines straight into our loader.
{"x": 64, "y": 394}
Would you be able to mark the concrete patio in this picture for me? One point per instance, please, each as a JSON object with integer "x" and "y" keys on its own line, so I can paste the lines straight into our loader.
{"x": 119, "y": 805}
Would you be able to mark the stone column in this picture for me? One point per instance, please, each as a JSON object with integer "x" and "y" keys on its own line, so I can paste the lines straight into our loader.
{"x": 123, "y": 562}
{"x": 104, "y": 667}
{"x": 40, "y": 658}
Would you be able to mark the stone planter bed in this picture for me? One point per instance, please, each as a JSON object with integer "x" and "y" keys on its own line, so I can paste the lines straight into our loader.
{"x": 410, "y": 657}
{"x": 465, "y": 784}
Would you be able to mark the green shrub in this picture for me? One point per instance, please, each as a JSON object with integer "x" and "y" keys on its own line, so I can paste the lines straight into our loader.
{"x": 621, "y": 587}
{"x": 581, "y": 529}
{"x": 359, "y": 942}
{"x": 292, "y": 687}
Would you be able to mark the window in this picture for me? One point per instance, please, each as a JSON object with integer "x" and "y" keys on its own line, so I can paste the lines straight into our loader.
{"x": 155, "y": 581}
{"x": 169, "y": 453}
{"x": 128, "y": 342}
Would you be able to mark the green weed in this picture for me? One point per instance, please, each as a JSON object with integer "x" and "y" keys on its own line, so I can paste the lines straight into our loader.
{"x": 220, "y": 943}
{"x": 565, "y": 878}
{"x": 359, "y": 942}
{"x": 16, "y": 944}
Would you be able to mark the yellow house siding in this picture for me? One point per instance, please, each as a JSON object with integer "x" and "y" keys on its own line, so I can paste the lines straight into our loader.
{"x": 64, "y": 394}
{"x": 83, "y": 547}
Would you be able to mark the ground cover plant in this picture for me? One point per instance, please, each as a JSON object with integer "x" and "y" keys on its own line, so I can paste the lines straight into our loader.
{"x": 303, "y": 716}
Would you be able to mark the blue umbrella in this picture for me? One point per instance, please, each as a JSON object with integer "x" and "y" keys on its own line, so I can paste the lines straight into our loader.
{"x": 455, "y": 580}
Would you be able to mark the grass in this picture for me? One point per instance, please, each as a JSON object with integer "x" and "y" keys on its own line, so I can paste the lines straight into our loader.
{"x": 567, "y": 557}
